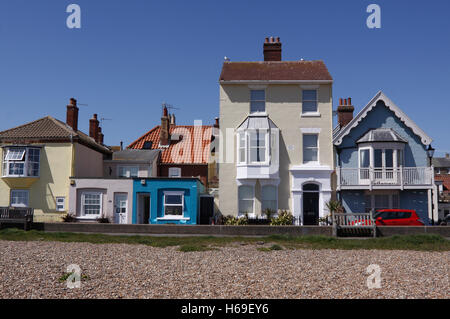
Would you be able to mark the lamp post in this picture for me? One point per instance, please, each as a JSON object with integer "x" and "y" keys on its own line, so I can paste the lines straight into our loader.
{"x": 430, "y": 153}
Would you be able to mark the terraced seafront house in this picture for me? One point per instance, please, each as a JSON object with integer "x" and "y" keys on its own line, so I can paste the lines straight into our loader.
{"x": 382, "y": 160}
{"x": 111, "y": 196}
{"x": 275, "y": 136}
{"x": 38, "y": 159}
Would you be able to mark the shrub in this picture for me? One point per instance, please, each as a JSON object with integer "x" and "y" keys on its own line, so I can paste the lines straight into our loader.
{"x": 69, "y": 218}
{"x": 103, "y": 220}
{"x": 284, "y": 218}
{"x": 236, "y": 221}
{"x": 269, "y": 213}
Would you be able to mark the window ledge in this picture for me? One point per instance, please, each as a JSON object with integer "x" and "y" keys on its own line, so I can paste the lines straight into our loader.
{"x": 172, "y": 218}
{"x": 312, "y": 114}
{"x": 87, "y": 218}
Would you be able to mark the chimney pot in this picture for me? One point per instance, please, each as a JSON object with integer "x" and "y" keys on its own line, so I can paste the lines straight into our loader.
{"x": 447, "y": 155}
{"x": 216, "y": 122}
{"x": 164, "y": 136}
{"x": 272, "y": 50}
{"x": 345, "y": 111}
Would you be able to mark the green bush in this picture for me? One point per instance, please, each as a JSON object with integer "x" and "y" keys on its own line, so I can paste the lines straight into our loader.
{"x": 284, "y": 218}
{"x": 236, "y": 221}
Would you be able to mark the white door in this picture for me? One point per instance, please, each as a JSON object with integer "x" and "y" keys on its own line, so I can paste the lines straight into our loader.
{"x": 120, "y": 208}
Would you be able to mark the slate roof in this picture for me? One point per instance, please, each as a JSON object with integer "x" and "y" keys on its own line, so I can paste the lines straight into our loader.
{"x": 189, "y": 149}
{"x": 133, "y": 155}
{"x": 49, "y": 129}
{"x": 275, "y": 71}
{"x": 441, "y": 161}
{"x": 381, "y": 135}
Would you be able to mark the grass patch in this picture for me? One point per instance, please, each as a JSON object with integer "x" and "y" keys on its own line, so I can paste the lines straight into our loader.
{"x": 64, "y": 277}
{"x": 423, "y": 242}
{"x": 191, "y": 248}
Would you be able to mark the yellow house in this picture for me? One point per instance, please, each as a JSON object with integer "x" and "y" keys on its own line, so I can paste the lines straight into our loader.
{"x": 38, "y": 159}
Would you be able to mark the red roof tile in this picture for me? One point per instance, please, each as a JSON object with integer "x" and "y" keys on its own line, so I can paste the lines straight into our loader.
{"x": 193, "y": 147}
{"x": 275, "y": 71}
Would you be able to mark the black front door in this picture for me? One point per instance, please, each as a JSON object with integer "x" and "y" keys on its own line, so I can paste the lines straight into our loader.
{"x": 311, "y": 208}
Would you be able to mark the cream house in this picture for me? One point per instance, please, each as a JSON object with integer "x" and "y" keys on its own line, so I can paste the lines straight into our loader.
{"x": 276, "y": 136}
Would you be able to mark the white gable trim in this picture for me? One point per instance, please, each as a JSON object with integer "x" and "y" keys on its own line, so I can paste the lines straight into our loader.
{"x": 426, "y": 140}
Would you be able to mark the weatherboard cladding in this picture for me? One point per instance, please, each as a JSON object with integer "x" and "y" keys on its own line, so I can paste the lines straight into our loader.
{"x": 382, "y": 117}
{"x": 194, "y": 140}
{"x": 275, "y": 71}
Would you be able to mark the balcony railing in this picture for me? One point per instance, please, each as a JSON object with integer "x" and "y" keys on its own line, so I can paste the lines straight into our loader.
{"x": 373, "y": 177}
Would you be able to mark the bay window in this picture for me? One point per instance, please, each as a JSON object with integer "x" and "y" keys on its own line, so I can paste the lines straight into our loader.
{"x": 253, "y": 147}
{"x": 21, "y": 162}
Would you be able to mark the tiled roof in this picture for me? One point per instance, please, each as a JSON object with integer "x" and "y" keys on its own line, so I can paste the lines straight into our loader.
{"x": 275, "y": 71}
{"x": 193, "y": 146}
{"x": 48, "y": 129}
{"x": 446, "y": 182}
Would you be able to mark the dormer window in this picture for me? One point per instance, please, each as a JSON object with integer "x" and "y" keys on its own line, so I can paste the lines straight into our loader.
{"x": 21, "y": 161}
{"x": 257, "y": 101}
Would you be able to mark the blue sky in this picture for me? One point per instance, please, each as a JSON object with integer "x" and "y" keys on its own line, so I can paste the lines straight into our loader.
{"x": 130, "y": 56}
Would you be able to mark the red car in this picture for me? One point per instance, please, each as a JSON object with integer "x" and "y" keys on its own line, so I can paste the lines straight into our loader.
{"x": 394, "y": 217}
{"x": 397, "y": 217}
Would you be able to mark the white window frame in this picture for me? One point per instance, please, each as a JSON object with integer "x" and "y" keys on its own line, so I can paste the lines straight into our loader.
{"x": 316, "y": 112}
{"x": 317, "y": 148}
{"x": 63, "y": 208}
{"x": 91, "y": 216}
{"x": 240, "y": 146}
{"x": 265, "y": 93}
{"x": 177, "y": 170}
{"x": 252, "y": 213}
{"x": 22, "y": 159}
{"x": 23, "y": 191}
{"x": 127, "y": 168}
{"x": 173, "y": 217}
{"x": 247, "y": 142}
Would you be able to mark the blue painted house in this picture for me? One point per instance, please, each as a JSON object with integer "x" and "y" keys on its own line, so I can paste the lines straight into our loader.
{"x": 381, "y": 159}
{"x": 162, "y": 200}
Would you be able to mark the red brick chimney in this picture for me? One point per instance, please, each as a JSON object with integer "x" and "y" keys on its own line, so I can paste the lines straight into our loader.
{"x": 345, "y": 111}
{"x": 272, "y": 49}
{"x": 72, "y": 114}
{"x": 93, "y": 127}
{"x": 100, "y": 136}
{"x": 165, "y": 127}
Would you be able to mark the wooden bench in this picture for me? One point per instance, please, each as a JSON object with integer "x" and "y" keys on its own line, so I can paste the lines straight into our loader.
{"x": 17, "y": 215}
{"x": 354, "y": 222}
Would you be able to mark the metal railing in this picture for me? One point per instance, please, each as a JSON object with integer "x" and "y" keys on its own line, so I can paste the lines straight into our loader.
{"x": 397, "y": 176}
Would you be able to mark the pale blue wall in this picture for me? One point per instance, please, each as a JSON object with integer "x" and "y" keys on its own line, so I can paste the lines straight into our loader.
{"x": 381, "y": 117}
